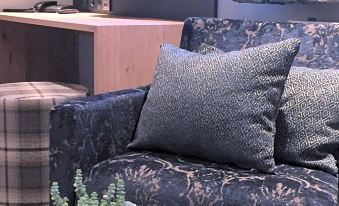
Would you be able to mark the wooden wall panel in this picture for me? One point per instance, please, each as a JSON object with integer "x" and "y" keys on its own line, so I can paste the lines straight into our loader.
{"x": 52, "y": 54}
{"x": 36, "y": 53}
{"x": 12, "y": 57}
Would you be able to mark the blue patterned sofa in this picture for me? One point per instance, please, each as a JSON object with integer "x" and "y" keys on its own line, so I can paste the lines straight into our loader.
{"x": 92, "y": 134}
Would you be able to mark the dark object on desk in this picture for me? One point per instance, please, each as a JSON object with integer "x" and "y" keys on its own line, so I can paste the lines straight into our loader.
{"x": 97, "y": 6}
{"x": 41, "y": 6}
{"x": 81, "y": 5}
{"x": 30, "y": 10}
{"x": 47, "y": 6}
{"x": 38, "y": 7}
{"x": 68, "y": 11}
{"x": 57, "y": 8}
{"x": 165, "y": 9}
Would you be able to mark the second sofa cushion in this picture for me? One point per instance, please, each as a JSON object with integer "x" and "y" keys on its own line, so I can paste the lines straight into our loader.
{"x": 308, "y": 124}
{"x": 217, "y": 107}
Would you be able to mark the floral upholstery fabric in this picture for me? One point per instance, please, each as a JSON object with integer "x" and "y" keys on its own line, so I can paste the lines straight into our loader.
{"x": 94, "y": 129}
{"x": 90, "y": 130}
{"x": 162, "y": 179}
{"x": 318, "y": 48}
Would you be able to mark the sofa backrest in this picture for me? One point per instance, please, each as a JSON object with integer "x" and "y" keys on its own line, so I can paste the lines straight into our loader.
{"x": 319, "y": 41}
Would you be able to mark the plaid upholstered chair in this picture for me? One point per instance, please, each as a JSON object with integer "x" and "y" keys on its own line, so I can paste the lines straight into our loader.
{"x": 24, "y": 138}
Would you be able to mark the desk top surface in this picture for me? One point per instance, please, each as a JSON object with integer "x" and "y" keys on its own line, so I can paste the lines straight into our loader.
{"x": 87, "y": 22}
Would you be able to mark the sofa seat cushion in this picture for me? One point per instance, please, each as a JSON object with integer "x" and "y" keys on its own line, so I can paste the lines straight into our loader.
{"x": 162, "y": 179}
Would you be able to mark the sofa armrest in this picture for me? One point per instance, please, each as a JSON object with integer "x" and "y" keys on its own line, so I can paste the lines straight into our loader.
{"x": 87, "y": 131}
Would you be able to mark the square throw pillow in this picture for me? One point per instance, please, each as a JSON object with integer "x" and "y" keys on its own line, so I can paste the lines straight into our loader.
{"x": 308, "y": 121}
{"x": 217, "y": 107}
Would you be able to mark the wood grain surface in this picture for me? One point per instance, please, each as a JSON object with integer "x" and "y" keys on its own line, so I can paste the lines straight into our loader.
{"x": 45, "y": 47}
{"x": 131, "y": 59}
{"x": 35, "y": 53}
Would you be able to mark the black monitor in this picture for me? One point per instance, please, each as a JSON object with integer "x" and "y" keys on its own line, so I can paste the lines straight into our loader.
{"x": 165, "y": 9}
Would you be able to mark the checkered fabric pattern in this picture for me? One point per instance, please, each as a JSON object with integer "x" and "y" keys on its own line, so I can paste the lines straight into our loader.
{"x": 24, "y": 139}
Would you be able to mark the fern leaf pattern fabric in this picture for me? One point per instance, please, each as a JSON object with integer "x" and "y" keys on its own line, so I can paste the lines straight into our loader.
{"x": 218, "y": 107}
{"x": 308, "y": 123}
{"x": 159, "y": 179}
{"x": 319, "y": 48}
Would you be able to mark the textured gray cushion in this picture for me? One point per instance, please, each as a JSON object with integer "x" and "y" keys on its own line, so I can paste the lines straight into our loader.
{"x": 308, "y": 124}
{"x": 218, "y": 107}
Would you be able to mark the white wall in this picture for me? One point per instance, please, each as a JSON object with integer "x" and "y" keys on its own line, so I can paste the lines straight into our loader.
{"x": 25, "y": 3}
{"x": 264, "y": 12}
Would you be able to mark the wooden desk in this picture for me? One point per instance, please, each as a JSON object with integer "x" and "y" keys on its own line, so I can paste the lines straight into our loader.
{"x": 102, "y": 52}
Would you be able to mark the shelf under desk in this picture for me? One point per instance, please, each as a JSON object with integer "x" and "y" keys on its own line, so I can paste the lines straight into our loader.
{"x": 114, "y": 52}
